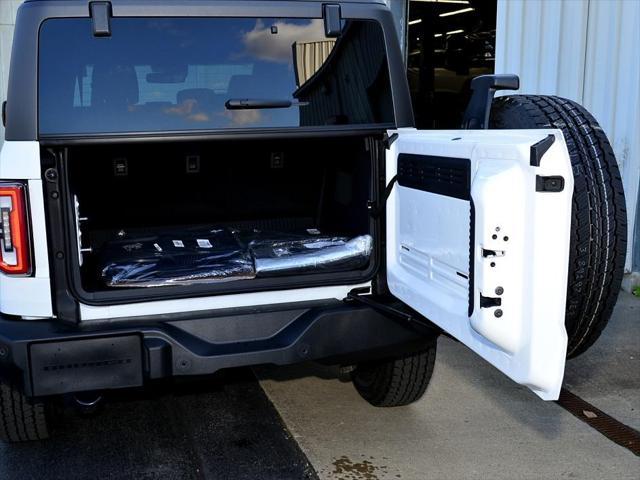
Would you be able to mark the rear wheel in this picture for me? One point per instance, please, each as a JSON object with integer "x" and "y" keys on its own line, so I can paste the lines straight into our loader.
{"x": 599, "y": 219}
{"x": 395, "y": 382}
{"x": 20, "y": 419}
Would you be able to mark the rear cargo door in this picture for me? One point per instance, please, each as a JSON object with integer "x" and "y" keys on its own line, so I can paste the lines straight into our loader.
{"x": 478, "y": 233}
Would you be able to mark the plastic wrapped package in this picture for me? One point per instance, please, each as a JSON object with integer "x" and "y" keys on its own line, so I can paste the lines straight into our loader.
{"x": 278, "y": 256}
{"x": 201, "y": 255}
{"x": 176, "y": 258}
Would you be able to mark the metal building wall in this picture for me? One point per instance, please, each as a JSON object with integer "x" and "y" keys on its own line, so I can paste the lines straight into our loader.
{"x": 309, "y": 57}
{"x": 585, "y": 50}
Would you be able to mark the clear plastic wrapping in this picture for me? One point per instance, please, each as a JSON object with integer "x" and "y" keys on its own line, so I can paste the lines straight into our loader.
{"x": 194, "y": 256}
{"x": 179, "y": 258}
{"x": 310, "y": 254}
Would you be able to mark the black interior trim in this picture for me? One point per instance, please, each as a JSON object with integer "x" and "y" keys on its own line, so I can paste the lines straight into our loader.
{"x": 123, "y": 296}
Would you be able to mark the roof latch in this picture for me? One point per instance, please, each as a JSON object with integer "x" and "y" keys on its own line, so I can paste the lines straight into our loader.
{"x": 332, "y": 20}
{"x": 101, "y": 18}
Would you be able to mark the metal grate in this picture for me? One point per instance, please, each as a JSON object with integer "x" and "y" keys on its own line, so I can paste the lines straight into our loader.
{"x": 611, "y": 428}
{"x": 442, "y": 175}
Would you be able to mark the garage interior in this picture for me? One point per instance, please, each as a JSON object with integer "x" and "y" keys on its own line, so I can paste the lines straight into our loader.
{"x": 448, "y": 44}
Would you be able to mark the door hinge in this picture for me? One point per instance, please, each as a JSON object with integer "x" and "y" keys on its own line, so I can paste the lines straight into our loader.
{"x": 357, "y": 295}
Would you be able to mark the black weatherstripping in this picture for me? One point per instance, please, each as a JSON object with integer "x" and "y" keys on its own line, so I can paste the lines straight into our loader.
{"x": 472, "y": 256}
{"x": 446, "y": 176}
{"x": 55, "y": 188}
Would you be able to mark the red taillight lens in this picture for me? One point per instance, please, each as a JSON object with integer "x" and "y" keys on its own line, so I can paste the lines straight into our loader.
{"x": 14, "y": 231}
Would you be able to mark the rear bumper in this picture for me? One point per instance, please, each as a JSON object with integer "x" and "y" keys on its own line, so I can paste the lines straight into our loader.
{"x": 49, "y": 358}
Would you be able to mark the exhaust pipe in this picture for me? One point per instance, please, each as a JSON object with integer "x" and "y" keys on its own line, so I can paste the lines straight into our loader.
{"x": 87, "y": 402}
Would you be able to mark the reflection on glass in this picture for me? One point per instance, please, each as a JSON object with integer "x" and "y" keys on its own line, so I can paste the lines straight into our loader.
{"x": 177, "y": 74}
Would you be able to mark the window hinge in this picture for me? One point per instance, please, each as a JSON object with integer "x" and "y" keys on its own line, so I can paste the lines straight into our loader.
{"x": 101, "y": 18}
{"x": 332, "y": 20}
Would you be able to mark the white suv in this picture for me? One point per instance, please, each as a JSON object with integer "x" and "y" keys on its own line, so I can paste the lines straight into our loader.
{"x": 193, "y": 186}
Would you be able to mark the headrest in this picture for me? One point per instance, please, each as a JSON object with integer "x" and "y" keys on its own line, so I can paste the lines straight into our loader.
{"x": 114, "y": 86}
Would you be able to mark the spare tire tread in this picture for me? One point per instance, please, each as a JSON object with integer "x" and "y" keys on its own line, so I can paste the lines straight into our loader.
{"x": 599, "y": 220}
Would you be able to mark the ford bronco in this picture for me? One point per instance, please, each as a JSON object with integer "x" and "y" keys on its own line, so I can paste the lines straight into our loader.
{"x": 188, "y": 187}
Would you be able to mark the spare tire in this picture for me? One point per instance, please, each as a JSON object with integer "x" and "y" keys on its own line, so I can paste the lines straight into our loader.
{"x": 599, "y": 219}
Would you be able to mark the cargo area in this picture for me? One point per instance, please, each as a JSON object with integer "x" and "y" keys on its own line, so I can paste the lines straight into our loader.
{"x": 220, "y": 216}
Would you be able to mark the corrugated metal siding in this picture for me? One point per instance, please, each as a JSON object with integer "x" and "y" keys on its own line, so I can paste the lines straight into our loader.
{"x": 586, "y": 51}
{"x": 310, "y": 56}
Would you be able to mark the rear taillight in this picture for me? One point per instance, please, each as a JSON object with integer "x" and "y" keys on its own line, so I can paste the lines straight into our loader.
{"x": 14, "y": 231}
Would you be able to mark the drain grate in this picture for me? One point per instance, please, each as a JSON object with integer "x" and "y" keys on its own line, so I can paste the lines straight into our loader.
{"x": 611, "y": 428}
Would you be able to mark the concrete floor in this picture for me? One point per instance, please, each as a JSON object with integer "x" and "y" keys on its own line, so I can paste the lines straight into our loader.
{"x": 608, "y": 375}
{"x": 473, "y": 422}
{"x": 219, "y": 428}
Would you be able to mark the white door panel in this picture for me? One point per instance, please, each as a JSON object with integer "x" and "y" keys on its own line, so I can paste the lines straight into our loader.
{"x": 467, "y": 228}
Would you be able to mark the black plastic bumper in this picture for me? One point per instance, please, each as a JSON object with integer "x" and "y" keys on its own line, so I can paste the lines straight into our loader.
{"x": 48, "y": 358}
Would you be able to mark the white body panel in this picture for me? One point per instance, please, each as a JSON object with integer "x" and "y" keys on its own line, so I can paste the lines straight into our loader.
{"x": 88, "y": 312}
{"x": 428, "y": 249}
{"x": 27, "y": 296}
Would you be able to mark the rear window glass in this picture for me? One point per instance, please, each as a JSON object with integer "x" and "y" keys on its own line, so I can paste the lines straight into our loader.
{"x": 181, "y": 74}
